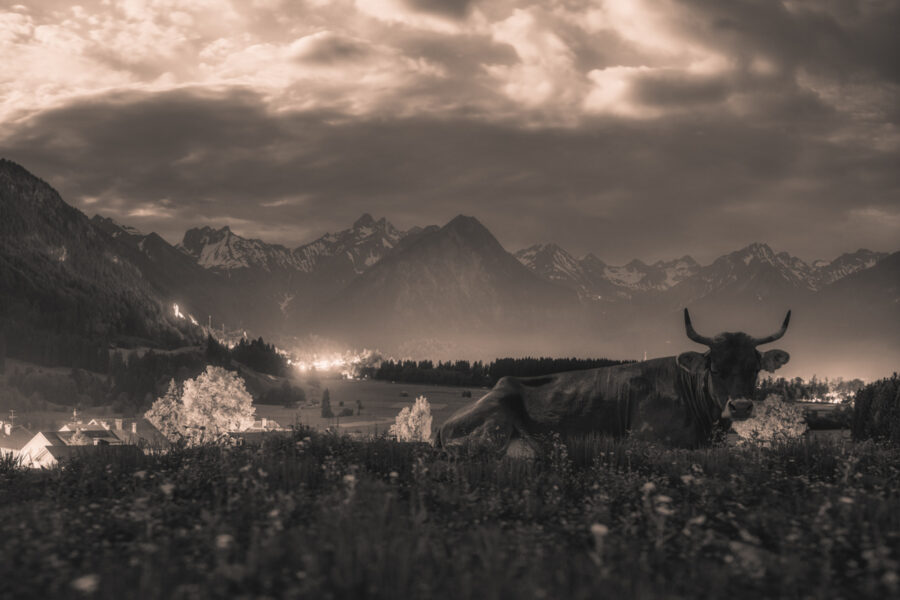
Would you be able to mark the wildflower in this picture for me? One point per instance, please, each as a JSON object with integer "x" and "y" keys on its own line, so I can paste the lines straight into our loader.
{"x": 394, "y": 475}
{"x": 167, "y": 489}
{"x": 86, "y": 584}
{"x": 665, "y": 510}
{"x": 688, "y": 479}
{"x": 648, "y": 488}
{"x": 598, "y": 530}
{"x": 224, "y": 541}
{"x": 845, "y": 500}
{"x": 350, "y": 479}
{"x": 140, "y": 474}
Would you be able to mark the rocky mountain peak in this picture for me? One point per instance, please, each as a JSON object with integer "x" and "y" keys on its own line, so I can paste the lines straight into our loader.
{"x": 365, "y": 220}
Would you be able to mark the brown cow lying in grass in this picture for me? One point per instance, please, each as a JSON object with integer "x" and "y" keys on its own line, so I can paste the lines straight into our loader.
{"x": 678, "y": 400}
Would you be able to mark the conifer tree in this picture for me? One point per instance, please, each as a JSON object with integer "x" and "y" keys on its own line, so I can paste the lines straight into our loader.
{"x": 326, "y": 405}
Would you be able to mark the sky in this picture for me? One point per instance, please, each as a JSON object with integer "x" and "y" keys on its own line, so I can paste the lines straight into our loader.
{"x": 626, "y": 128}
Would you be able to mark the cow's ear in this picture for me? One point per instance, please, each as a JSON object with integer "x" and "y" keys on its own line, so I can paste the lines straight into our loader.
{"x": 692, "y": 362}
{"x": 774, "y": 359}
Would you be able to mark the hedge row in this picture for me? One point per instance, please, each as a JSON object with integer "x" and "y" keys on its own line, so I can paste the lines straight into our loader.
{"x": 876, "y": 412}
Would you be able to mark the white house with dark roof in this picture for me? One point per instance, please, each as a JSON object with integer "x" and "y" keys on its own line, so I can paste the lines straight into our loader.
{"x": 45, "y": 449}
{"x": 12, "y": 439}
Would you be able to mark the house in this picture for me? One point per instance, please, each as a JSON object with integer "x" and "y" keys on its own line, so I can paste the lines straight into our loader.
{"x": 50, "y": 456}
{"x": 80, "y": 426}
{"x": 137, "y": 432}
{"x": 47, "y": 448}
{"x": 12, "y": 439}
{"x": 265, "y": 424}
{"x": 259, "y": 431}
{"x": 36, "y": 453}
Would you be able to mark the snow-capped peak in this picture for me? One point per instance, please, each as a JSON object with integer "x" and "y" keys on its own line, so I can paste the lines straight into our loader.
{"x": 358, "y": 247}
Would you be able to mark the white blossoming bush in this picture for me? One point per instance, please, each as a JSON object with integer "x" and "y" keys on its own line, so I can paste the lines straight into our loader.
{"x": 413, "y": 424}
{"x": 775, "y": 420}
{"x": 211, "y": 405}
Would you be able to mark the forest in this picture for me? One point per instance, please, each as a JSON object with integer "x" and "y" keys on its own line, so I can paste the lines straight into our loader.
{"x": 478, "y": 374}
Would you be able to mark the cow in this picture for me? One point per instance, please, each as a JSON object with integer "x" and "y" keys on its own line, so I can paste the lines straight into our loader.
{"x": 678, "y": 400}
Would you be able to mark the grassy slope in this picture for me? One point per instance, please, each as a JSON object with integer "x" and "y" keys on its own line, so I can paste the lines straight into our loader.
{"x": 325, "y": 518}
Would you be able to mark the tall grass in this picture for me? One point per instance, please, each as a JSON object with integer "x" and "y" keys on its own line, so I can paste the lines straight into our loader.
{"x": 321, "y": 516}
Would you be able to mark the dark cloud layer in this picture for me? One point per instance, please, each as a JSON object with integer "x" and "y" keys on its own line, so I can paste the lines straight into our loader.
{"x": 701, "y": 184}
{"x": 626, "y": 128}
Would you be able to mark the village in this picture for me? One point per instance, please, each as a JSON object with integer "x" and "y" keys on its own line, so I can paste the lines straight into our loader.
{"x": 47, "y": 449}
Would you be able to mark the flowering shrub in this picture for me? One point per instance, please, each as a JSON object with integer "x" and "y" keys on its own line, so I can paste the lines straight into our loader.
{"x": 211, "y": 405}
{"x": 413, "y": 424}
{"x": 775, "y": 420}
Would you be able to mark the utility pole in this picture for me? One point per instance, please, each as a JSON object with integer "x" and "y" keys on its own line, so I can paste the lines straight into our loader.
{"x": 12, "y": 417}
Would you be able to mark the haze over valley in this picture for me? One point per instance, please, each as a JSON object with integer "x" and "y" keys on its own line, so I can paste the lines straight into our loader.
{"x": 436, "y": 291}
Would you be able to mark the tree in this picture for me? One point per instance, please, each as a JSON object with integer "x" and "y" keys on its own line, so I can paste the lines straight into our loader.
{"x": 216, "y": 353}
{"x": 291, "y": 397}
{"x": 414, "y": 424}
{"x": 214, "y": 403}
{"x": 326, "y": 404}
{"x": 165, "y": 414}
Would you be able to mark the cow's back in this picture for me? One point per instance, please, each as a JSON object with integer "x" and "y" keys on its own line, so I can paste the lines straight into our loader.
{"x": 606, "y": 399}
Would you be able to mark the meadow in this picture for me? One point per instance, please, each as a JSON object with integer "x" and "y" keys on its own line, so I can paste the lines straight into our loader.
{"x": 381, "y": 402}
{"x": 315, "y": 515}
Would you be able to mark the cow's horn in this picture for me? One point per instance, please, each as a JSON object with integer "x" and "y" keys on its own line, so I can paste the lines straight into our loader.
{"x": 693, "y": 334}
{"x": 777, "y": 335}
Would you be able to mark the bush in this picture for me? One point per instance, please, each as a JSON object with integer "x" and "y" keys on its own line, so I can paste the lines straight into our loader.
{"x": 775, "y": 421}
{"x": 208, "y": 407}
{"x": 413, "y": 424}
{"x": 346, "y": 412}
{"x": 876, "y": 411}
{"x": 837, "y": 418}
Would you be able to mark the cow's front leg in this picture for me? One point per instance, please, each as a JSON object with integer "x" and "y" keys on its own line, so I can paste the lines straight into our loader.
{"x": 486, "y": 422}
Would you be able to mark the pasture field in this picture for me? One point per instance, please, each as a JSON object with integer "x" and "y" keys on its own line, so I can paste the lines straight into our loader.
{"x": 381, "y": 403}
{"x": 315, "y": 515}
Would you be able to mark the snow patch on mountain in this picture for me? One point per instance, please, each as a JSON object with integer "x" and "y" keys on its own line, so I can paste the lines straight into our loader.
{"x": 595, "y": 279}
{"x": 352, "y": 250}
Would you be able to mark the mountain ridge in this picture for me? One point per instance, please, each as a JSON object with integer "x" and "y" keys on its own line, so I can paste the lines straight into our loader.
{"x": 372, "y": 283}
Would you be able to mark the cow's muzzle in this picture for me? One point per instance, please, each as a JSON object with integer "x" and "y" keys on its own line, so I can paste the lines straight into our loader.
{"x": 738, "y": 409}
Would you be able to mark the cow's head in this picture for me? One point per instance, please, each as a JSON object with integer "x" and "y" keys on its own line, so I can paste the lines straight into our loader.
{"x": 732, "y": 364}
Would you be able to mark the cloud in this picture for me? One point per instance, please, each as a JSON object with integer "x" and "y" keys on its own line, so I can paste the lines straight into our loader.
{"x": 703, "y": 184}
{"x": 328, "y": 48}
{"x": 623, "y": 127}
{"x": 449, "y": 8}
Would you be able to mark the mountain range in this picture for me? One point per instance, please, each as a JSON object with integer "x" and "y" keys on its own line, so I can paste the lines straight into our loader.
{"x": 449, "y": 290}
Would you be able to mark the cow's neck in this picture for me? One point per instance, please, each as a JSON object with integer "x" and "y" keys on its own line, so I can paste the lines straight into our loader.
{"x": 701, "y": 404}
